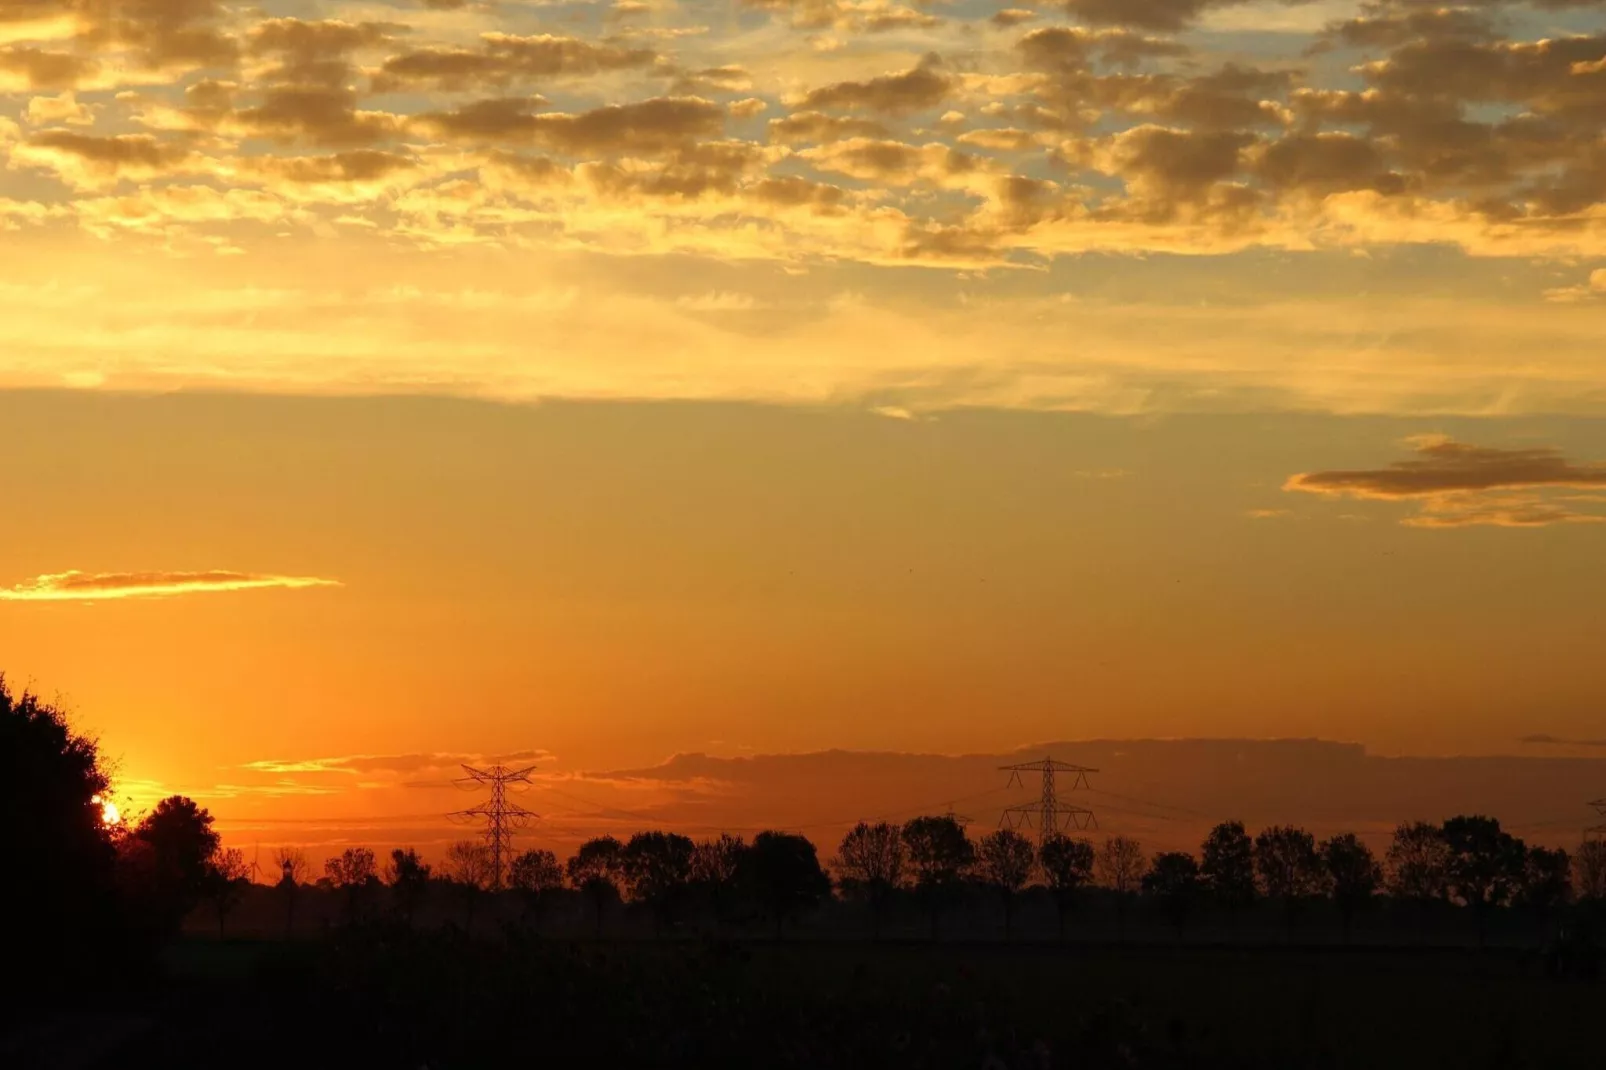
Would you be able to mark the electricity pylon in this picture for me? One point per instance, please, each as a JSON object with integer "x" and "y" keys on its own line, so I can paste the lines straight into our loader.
{"x": 1048, "y": 815}
{"x": 502, "y": 818}
{"x": 1597, "y": 832}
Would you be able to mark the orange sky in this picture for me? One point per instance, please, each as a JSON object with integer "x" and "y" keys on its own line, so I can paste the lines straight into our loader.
{"x": 602, "y": 586}
{"x": 386, "y": 384}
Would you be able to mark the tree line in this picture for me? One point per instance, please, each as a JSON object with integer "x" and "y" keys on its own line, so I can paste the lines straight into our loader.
{"x": 133, "y": 883}
{"x": 1467, "y": 862}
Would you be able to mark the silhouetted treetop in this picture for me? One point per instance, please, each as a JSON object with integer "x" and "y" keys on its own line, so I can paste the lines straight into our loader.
{"x": 1287, "y": 863}
{"x": 872, "y": 856}
{"x": 939, "y": 850}
{"x": 1227, "y": 865}
{"x": 782, "y": 872}
{"x": 1484, "y": 864}
{"x": 1417, "y": 865}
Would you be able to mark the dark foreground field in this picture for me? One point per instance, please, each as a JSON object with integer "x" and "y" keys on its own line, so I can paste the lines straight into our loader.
{"x": 437, "y": 1001}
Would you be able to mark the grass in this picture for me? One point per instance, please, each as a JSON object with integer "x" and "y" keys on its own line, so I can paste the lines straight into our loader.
{"x": 437, "y": 1001}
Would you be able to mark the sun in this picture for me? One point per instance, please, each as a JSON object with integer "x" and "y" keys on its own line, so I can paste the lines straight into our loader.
{"x": 109, "y": 814}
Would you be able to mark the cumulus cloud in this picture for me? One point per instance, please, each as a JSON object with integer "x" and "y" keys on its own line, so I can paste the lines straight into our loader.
{"x": 645, "y": 127}
{"x": 1129, "y": 126}
{"x": 76, "y": 586}
{"x": 1591, "y": 289}
{"x": 504, "y": 59}
{"x": 1460, "y": 485}
{"x": 1161, "y": 15}
{"x": 917, "y": 89}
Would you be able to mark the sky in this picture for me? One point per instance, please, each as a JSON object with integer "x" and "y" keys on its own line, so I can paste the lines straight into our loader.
{"x": 593, "y": 385}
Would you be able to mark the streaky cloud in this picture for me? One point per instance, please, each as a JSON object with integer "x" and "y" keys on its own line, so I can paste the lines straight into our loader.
{"x": 1461, "y": 485}
{"x": 77, "y": 586}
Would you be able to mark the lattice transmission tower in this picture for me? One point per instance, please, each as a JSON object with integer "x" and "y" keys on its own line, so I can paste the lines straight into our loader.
{"x": 1048, "y": 815}
{"x": 502, "y": 817}
{"x": 1597, "y": 832}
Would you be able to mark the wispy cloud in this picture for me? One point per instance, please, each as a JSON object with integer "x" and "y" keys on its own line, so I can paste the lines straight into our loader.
{"x": 75, "y": 586}
{"x": 1460, "y": 485}
{"x": 1546, "y": 740}
{"x": 396, "y": 765}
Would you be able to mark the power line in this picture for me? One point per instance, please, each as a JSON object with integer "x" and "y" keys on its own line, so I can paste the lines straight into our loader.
{"x": 839, "y": 822}
{"x": 1597, "y": 832}
{"x": 1153, "y": 804}
{"x": 502, "y": 817}
{"x": 1048, "y": 815}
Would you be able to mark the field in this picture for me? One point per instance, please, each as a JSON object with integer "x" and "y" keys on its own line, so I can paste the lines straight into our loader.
{"x": 435, "y": 1000}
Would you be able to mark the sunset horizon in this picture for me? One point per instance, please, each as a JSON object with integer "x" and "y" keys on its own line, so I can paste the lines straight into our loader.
{"x": 804, "y": 533}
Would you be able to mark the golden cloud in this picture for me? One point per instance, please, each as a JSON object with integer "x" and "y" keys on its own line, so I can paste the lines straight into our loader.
{"x": 75, "y": 586}
{"x": 1460, "y": 485}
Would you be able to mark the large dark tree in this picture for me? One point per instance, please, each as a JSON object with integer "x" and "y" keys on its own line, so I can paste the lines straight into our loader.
{"x": 1352, "y": 873}
{"x": 1174, "y": 884}
{"x": 596, "y": 870}
{"x": 1289, "y": 868}
{"x": 1004, "y": 861}
{"x": 1416, "y": 869}
{"x": 1067, "y": 866}
{"x": 408, "y": 877}
{"x": 170, "y": 852}
{"x": 782, "y": 873}
{"x": 537, "y": 876}
{"x": 1546, "y": 878}
{"x": 54, "y": 838}
{"x": 472, "y": 870}
{"x": 1120, "y": 865}
{"x": 940, "y": 854}
{"x": 227, "y": 878}
{"x": 1484, "y": 864}
{"x": 657, "y": 869}
{"x": 714, "y": 865}
{"x": 1417, "y": 864}
{"x": 355, "y": 872}
{"x": 1227, "y": 868}
{"x": 1589, "y": 871}
{"x": 870, "y": 862}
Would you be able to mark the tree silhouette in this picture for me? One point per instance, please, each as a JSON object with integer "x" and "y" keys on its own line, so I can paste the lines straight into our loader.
{"x": 1227, "y": 868}
{"x": 227, "y": 877}
{"x": 536, "y": 875}
{"x": 1589, "y": 871}
{"x": 1067, "y": 868}
{"x": 783, "y": 873}
{"x": 52, "y": 830}
{"x": 1546, "y": 879}
{"x": 1352, "y": 873}
{"x": 657, "y": 869}
{"x": 940, "y": 853}
{"x": 714, "y": 865}
{"x": 1119, "y": 865}
{"x": 1418, "y": 861}
{"x": 292, "y": 866}
{"x": 1416, "y": 868}
{"x": 871, "y": 861}
{"x": 1173, "y": 880}
{"x": 1289, "y": 868}
{"x": 596, "y": 870}
{"x": 353, "y": 872}
{"x": 175, "y": 843}
{"x": 1484, "y": 865}
{"x": 408, "y": 877}
{"x": 1004, "y": 861}
{"x": 471, "y": 868}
